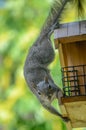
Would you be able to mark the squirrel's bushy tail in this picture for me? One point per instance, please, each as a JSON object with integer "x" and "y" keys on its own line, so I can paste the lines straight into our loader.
{"x": 58, "y": 9}
{"x": 53, "y": 17}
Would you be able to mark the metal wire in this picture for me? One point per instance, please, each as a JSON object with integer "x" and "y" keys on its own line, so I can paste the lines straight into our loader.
{"x": 74, "y": 80}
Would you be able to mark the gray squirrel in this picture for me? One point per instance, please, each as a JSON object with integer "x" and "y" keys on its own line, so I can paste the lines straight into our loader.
{"x": 40, "y": 55}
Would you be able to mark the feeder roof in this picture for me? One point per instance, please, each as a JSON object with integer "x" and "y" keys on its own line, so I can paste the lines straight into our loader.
{"x": 70, "y": 32}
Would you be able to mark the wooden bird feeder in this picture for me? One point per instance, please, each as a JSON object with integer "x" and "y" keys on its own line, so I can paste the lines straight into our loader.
{"x": 70, "y": 39}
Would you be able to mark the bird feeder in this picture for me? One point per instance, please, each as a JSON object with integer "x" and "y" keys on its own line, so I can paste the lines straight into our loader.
{"x": 70, "y": 40}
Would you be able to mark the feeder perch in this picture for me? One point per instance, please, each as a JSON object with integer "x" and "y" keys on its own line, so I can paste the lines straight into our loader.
{"x": 70, "y": 40}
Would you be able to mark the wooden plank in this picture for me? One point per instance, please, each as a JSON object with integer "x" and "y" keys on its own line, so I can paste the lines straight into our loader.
{"x": 77, "y": 113}
{"x": 73, "y": 55}
{"x": 61, "y": 31}
{"x": 65, "y": 114}
{"x": 73, "y": 99}
{"x": 70, "y": 29}
{"x": 62, "y": 55}
{"x": 73, "y": 29}
{"x": 70, "y": 39}
{"x": 83, "y": 27}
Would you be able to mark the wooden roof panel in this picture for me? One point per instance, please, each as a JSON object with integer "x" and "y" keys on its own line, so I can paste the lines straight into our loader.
{"x": 70, "y": 29}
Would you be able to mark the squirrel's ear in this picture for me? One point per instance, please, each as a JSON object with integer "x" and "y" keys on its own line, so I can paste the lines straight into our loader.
{"x": 46, "y": 79}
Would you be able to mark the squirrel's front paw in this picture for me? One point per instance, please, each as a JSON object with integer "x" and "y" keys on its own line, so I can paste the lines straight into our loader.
{"x": 66, "y": 119}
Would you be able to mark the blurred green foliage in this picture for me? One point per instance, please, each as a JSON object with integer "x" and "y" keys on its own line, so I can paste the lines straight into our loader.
{"x": 20, "y": 22}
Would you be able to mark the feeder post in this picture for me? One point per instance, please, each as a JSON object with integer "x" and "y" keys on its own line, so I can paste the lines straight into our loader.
{"x": 70, "y": 40}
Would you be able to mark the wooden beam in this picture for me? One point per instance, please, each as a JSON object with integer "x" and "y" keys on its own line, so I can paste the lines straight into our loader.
{"x": 70, "y": 39}
{"x": 70, "y": 29}
{"x": 77, "y": 113}
{"x": 73, "y": 99}
{"x": 75, "y": 109}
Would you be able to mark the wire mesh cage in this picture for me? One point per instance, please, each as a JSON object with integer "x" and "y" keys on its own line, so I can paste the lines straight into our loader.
{"x": 74, "y": 80}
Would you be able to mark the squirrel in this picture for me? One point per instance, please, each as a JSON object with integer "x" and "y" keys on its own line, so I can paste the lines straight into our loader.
{"x": 40, "y": 55}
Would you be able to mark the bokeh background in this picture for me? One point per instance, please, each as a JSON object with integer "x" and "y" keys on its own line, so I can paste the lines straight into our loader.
{"x": 20, "y": 24}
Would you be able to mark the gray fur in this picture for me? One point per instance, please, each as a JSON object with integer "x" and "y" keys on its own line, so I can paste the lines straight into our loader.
{"x": 41, "y": 54}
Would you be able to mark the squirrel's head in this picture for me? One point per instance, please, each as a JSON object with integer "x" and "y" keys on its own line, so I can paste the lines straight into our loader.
{"x": 46, "y": 90}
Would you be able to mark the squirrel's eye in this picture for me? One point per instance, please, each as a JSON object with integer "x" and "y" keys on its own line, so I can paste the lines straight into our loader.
{"x": 39, "y": 93}
{"x": 50, "y": 87}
